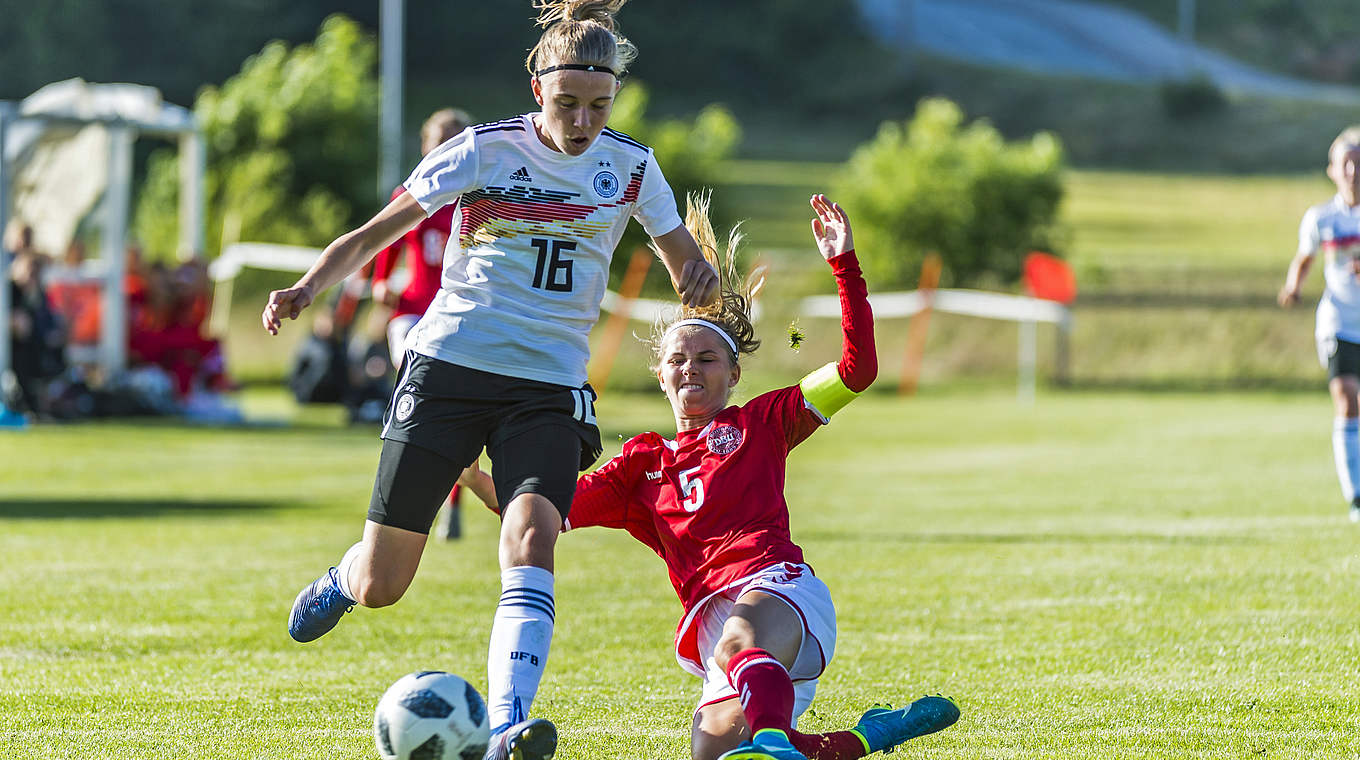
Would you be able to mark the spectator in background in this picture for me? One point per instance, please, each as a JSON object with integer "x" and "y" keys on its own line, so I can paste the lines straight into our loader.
{"x": 76, "y": 296}
{"x": 424, "y": 249}
{"x": 167, "y": 311}
{"x": 1334, "y": 228}
{"x": 37, "y": 333}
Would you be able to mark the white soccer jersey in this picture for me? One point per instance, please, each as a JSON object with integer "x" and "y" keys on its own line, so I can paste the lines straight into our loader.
{"x": 1334, "y": 228}
{"x": 527, "y": 260}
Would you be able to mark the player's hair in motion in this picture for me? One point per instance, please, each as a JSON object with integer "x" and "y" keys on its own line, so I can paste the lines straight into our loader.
{"x": 732, "y": 311}
{"x": 580, "y": 32}
{"x": 1349, "y": 136}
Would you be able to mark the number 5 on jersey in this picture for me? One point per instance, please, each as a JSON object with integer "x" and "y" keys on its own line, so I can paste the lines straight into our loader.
{"x": 692, "y": 488}
{"x": 553, "y": 271}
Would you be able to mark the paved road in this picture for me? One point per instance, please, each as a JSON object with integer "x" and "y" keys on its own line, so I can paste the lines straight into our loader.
{"x": 1070, "y": 37}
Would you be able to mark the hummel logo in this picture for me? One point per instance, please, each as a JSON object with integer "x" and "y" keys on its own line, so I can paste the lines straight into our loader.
{"x": 654, "y": 475}
{"x": 522, "y": 174}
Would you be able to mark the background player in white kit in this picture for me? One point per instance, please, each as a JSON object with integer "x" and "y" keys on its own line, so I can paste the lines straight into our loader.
{"x": 759, "y": 627}
{"x": 499, "y": 358}
{"x": 1334, "y": 229}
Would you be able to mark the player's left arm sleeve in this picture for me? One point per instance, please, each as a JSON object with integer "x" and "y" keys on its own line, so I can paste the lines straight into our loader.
{"x": 831, "y": 387}
{"x": 655, "y": 209}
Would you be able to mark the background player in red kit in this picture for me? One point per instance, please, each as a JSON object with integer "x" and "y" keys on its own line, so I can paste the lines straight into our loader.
{"x": 758, "y": 623}
{"x": 423, "y": 247}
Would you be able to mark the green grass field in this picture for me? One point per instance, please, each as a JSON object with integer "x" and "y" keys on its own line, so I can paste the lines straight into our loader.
{"x": 1095, "y": 576}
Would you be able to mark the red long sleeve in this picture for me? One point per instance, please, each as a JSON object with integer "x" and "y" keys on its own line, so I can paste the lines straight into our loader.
{"x": 859, "y": 358}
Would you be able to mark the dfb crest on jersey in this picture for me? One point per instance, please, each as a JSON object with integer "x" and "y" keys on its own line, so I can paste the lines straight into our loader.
{"x": 606, "y": 184}
{"x": 724, "y": 440}
{"x": 405, "y": 405}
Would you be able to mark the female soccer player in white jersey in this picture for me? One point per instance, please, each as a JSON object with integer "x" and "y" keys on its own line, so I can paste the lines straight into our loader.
{"x": 759, "y": 626}
{"x": 499, "y": 358}
{"x": 1334, "y": 229}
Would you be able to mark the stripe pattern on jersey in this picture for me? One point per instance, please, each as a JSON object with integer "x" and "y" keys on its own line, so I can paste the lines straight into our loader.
{"x": 514, "y": 124}
{"x": 625, "y": 139}
{"x": 495, "y": 212}
{"x": 530, "y": 598}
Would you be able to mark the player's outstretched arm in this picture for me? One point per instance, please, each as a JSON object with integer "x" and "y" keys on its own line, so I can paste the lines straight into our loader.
{"x": 349, "y": 252}
{"x": 1293, "y": 280}
{"x": 694, "y": 279}
{"x": 835, "y": 385}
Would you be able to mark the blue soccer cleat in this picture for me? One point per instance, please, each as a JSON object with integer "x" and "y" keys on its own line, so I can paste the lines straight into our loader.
{"x": 884, "y": 729}
{"x": 767, "y": 744}
{"x": 318, "y": 608}
{"x": 533, "y": 739}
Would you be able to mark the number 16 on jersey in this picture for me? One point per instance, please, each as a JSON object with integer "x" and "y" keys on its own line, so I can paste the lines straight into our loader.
{"x": 553, "y": 271}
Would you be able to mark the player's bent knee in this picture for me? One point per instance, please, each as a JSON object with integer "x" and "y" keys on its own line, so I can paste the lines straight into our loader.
{"x": 729, "y": 645}
{"x": 529, "y": 532}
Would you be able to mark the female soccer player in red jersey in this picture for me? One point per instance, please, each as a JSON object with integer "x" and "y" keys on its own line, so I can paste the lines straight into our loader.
{"x": 759, "y": 627}
{"x": 498, "y": 361}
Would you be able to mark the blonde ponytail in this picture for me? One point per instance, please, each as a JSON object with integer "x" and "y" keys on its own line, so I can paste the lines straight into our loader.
{"x": 581, "y": 32}
{"x": 732, "y": 311}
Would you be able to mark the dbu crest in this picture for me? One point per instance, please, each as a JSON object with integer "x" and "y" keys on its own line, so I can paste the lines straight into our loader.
{"x": 724, "y": 440}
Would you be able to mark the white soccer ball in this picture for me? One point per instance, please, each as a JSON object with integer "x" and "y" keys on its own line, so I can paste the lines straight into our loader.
{"x": 431, "y": 716}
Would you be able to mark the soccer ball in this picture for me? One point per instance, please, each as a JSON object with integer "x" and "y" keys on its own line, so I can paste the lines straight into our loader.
{"x": 431, "y": 716}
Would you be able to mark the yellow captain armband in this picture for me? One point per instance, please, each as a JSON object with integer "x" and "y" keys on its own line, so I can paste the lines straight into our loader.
{"x": 825, "y": 390}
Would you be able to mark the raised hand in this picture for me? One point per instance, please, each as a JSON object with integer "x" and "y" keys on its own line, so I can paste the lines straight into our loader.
{"x": 285, "y": 303}
{"x": 831, "y": 227}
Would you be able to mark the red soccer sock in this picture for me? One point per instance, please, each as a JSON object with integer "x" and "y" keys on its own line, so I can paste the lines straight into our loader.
{"x": 764, "y": 687}
{"x": 841, "y": 745}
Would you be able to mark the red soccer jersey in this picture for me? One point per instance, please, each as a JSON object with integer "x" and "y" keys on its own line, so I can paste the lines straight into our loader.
{"x": 711, "y": 502}
{"x": 424, "y": 247}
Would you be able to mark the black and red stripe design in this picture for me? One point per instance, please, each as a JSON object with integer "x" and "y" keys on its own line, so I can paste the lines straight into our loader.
{"x": 634, "y": 189}
{"x": 494, "y": 203}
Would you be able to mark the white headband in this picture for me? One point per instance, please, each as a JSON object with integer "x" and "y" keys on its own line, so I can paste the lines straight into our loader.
{"x": 721, "y": 332}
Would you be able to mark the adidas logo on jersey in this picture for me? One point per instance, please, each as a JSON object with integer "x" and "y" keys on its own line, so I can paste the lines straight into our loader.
{"x": 522, "y": 175}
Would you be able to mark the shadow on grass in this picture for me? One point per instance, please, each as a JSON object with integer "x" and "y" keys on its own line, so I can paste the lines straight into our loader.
{"x": 1023, "y": 538}
{"x": 102, "y": 507}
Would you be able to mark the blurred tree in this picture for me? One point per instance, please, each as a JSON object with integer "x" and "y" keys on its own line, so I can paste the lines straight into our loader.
{"x": 935, "y": 184}
{"x": 291, "y": 147}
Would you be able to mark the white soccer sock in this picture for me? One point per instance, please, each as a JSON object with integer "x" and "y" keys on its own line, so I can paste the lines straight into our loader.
{"x": 342, "y": 569}
{"x": 520, "y": 637}
{"x": 1346, "y": 450}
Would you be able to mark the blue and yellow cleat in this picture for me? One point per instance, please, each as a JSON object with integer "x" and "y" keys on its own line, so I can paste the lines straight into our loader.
{"x": 767, "y": 744}
{"x": 318, "y": 608}
{"x": 882, "y": 730}
{"x": 533, "y": 739}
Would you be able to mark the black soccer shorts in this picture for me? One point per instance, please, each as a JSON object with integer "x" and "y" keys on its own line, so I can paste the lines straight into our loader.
{"x": 539, "y": 437}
